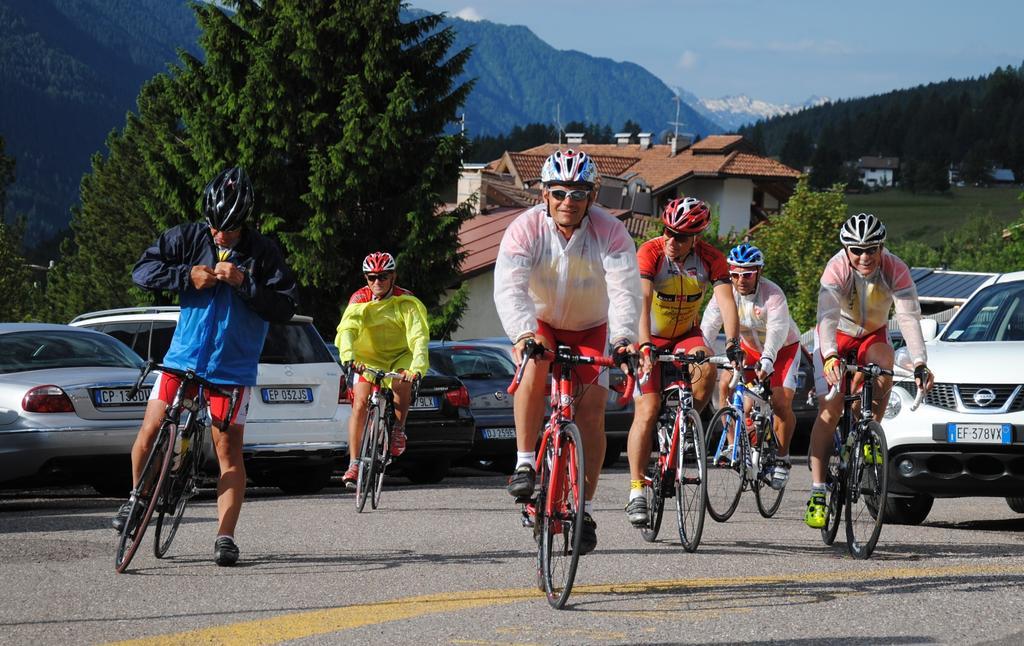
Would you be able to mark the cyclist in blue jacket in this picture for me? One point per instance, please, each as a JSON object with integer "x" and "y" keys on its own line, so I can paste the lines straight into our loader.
{"x": 232, "y": 281}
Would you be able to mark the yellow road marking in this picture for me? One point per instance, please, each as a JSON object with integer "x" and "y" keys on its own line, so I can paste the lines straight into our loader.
{"x": 298, "y": 625}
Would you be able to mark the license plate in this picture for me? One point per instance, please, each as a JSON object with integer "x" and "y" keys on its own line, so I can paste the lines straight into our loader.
{"x": 111, "y": 397}
{"x": 287, "y": 395}
{"x": 425, "y": 403}
{"x": 980, "y": 433}
{"x": 504, "y": 433}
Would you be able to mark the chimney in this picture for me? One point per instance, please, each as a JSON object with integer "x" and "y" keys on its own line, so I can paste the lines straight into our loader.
{"x": 574, "y": 138}
{"x": 622, "y": 138}
{"x": 645, "y": 140}
{"x": 472, "y": 182}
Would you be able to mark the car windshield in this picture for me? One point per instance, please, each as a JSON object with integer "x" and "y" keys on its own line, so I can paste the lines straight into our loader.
{"x": 994, "y": 314}
{"x": 45, "y": 349}
{"x": 473, "y": 363}
{"x": 294, "y": 342}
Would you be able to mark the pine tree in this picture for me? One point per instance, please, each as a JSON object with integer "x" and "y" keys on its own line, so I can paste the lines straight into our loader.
{"x": 18, "y": 294}
{"x": 337, "y": 110}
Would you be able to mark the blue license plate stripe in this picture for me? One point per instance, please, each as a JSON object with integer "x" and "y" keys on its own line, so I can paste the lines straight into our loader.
{"x": 953, "y": 432}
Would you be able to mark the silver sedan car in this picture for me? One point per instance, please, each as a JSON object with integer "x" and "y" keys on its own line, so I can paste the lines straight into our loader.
{"x": 66, "y": 413}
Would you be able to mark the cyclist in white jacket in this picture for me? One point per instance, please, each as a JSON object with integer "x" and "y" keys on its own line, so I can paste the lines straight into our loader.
{"x": 566, "y": 273}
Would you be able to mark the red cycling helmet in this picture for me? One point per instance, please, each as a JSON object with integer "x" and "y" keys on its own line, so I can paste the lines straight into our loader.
{"x": 378, "y": 262}
{"x": 686, "y": 215}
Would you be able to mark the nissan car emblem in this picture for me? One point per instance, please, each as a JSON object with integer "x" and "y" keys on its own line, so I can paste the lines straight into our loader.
{"x": 984, "y": 397}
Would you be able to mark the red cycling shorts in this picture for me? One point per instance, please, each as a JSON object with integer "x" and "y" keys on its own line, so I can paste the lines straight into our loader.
{"x": 589, "y": 343}
{"x": 166, "y": 387}
{"x": 687, "y": 342}
{"x": 786, "y": 367}
{"x": 847, "y": 346}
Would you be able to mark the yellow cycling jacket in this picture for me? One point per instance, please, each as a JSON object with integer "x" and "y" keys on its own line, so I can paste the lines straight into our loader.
{"x": 388, "y": 334}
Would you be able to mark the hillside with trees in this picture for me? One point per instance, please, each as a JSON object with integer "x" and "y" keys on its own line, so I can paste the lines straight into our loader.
{"x": 975, "y": 124}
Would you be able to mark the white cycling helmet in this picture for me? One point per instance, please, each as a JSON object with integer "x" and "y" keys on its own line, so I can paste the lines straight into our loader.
{"x": 862, "y": 229}
{"x": 571, "y": 168}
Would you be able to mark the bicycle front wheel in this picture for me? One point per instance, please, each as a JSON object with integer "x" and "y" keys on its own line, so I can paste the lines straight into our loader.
{"x": 691, "y": 483}
{"x": 725, "y": 462}
{"x": 867, "y": 486}
{"x": 768, "y": 499}
{"x": 181, "y": 486}
{"x": 367, "y": 461}
{"x": 144, "y": 497}
{"x": 380, "y": 458}
{"x": 655, "y": 495}
{"x": 835, "y": 483}
{"x": 562, "y": 529}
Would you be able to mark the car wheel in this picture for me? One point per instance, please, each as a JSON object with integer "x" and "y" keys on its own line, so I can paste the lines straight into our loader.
{"x": 612, "y": 454}
{"x": 114, "y": 485}
{"x": 426, "y": 472}
{"x": 900, "y": 510}
{"x": 1016, "y": 503}
{"x": 303, "y": 482}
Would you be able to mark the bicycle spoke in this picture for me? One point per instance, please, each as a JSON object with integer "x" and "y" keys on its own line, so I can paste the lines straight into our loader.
{"x": 768, "y": 499}
{"x": 364, "y": 481}
{"x": 725, "y": 464}
{"x": 867, "y": 487}
{"x": 834, "y": 497}
{"x": 145, "y": 497}
{"x": 654, "y": 493}
{"x": 691, "y": 483}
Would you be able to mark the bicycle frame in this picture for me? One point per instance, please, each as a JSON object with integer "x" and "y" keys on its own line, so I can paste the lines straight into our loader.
{"x": 684, "y": 387}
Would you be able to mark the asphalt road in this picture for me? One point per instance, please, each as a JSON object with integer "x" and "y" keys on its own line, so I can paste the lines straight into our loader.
{"x": 451, "y": 564}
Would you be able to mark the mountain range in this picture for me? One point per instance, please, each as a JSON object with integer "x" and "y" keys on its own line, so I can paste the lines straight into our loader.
{"x": 70, "y": 70}
{"x": 734, "y": 112}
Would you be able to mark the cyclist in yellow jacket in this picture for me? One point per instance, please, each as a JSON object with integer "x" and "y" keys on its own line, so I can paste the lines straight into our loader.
{"x": 385, "y": 327}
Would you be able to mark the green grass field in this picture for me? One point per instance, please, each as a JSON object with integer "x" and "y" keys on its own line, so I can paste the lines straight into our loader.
{"x": 927, "y": 218}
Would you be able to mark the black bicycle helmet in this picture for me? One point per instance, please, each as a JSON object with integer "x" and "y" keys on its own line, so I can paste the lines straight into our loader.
{"x": 228, "y": 200}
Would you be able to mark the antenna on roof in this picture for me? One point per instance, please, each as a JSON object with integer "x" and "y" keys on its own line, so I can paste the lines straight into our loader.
{"x": 678, "y": 100}
{"x": 558, "y": 122}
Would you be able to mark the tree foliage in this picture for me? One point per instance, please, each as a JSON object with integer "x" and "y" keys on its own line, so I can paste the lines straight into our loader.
{"x": 338, "y": 113}
{"x": 798, "y": 243}
{"x": 18, "y": 295}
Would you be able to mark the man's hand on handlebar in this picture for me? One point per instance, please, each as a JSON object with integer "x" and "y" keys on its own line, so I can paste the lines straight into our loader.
{"x": 735, "y": 353}
{"x": 923, "y": 377}
{"x": 409, "y": 376}
{"x": 765, "y": 368}
{"x": 833, "y": 370}
{"x": 624, "y": 354}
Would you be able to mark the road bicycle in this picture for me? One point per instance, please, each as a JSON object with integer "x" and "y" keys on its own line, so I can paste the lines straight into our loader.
{"x": 556, "y": 510}
{"x": 856, "y": 475}
{"x": 680, "y": 469}
{"x": 745, "y": 449}
{"x": 173, "y": 466}
{"x": 375, "y": 447}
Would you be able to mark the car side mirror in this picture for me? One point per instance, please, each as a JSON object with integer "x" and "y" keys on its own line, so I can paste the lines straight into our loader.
{"x": 929, "y": 329}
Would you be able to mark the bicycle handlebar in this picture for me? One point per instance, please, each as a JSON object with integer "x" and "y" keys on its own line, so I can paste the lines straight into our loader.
{"x": 532, "y": 350}
{"x": 151, "y": 365}
{"x": 872, "y": 370}
{"x": 724, "y": 362}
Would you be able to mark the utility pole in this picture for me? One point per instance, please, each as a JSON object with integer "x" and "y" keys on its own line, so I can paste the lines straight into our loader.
{"x": 462, "y": 128}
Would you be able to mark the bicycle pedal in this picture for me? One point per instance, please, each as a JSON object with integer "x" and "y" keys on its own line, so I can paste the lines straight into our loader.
{"x": 527, "y": 519}
{"x": 524, "y": 500}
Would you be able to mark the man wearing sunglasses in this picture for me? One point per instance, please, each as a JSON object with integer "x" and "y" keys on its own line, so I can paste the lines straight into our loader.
{"x": 384, "y": 326}
{"x": 770, "y": 340}
{"x": 859, "y": 286}
{"x": 676, "y": 269}
{"x": 566, "y": 273}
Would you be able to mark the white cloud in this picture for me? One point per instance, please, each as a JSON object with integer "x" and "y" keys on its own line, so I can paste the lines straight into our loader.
{"x": 469, "y": 13}
{"x": 688, "y": 60}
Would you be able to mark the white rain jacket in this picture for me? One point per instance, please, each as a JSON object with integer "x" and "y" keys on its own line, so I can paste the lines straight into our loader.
{"x": 574, "y": 284}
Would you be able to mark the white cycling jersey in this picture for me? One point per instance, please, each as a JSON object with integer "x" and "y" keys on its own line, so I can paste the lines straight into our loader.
{"x": 573, "y": 284}
{"x": 765, "y": 324}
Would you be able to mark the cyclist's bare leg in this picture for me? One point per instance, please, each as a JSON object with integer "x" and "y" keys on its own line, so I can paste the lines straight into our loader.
{"x": 704, "y": 377}
{"x": 590, "y": 407}
{"x": 403, "y": 398}
{"x": 528, "y": 404}
{"x": 154, "y": 416}
{"x": 231, "y": 484}
{"x": 639, "y": 444}
{"x": 822, "y": 432}
{"x": 785, "y": 420}
{"x": 360, "y": 392}
{"x": 723, "y": 388}
{"x": 883, "y": 355}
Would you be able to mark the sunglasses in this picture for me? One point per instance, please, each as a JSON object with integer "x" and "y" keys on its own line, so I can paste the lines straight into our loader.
{"x": 678, "y": 237}
{"x": 864, "y": 251}
{"x": 577, "y": 195}
{"x": 741, "y": 274}
{"x": 372, "y": 278}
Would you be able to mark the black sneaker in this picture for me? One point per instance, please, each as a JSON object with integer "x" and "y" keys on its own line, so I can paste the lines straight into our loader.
{"x": 521, "y": 482}
{"x": 588, "y": 538}
{"x": 225, "y": 552}
{"x": 636, "y": 511}
{"x": 121, "y": 517}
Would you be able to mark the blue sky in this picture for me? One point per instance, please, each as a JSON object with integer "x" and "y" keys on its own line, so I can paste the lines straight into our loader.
{"x": 781, "y": 51}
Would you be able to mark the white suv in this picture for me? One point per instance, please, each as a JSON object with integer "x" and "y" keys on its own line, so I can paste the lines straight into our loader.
{"x": 296, "y": 430}
{"x": 967, "y": 438}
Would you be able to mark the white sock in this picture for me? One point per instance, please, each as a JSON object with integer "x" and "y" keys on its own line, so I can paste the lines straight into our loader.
{"x": 818, "y": 487}
{"x": 231, "y": 538}
{"x": 588, "y": 506}
{"x": 525, "y": 457}
{"x": 636, "y": 493}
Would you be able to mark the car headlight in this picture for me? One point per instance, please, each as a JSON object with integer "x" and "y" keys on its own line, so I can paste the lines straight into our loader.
{"x": 894, "y": 405}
